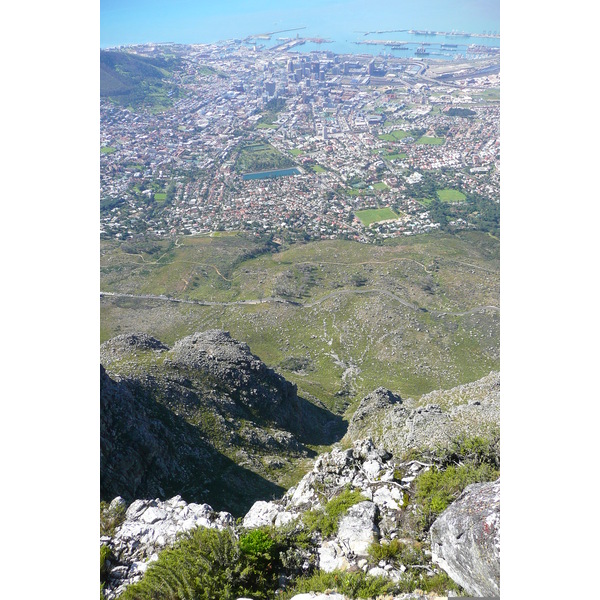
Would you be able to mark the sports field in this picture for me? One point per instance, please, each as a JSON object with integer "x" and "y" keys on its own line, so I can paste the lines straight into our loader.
{"x": 448, "y": 195}
{"x": 375, "y": 215}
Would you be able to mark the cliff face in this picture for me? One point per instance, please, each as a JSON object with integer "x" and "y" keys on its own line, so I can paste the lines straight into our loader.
{"x": 206, "y": 419}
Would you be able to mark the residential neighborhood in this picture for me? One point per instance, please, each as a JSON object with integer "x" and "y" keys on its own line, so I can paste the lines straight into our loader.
{"x": 294, "y": 144}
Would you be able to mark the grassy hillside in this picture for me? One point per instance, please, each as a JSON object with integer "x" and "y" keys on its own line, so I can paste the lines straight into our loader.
{"x": 133, "y": 80}
{"x": 337, "y": 318}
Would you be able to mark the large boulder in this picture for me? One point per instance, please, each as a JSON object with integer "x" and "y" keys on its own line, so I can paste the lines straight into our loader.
{"x": 465, "y": 539}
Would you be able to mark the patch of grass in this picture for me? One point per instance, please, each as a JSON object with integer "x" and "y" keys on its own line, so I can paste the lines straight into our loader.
{"x": 448, "y": 195}
{"x": 107, "y": 149}
{"x": 380, "y": 186}
{"x": 393, "y": 136}
{"x": 436, "y": 489}
{"x": 296, "y": 151}
{"x": 110, "y": 519}
{"x": 318, "y": 169}
{"x": 361, "y": 585}
{"x": 352, "y": 585}
{"x": 326, "y": 520}
{"x": 261, "y": 157}
{"x": 431, "y": 141}
{"x": 397, "y": 553}
{"x": 374, "y": 215}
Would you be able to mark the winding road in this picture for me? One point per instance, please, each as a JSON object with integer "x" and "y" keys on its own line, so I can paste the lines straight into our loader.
{"x": 276, "y": 299}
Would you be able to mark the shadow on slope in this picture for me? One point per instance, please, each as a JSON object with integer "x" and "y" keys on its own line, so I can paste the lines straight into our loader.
{"x": 148, "y": 451}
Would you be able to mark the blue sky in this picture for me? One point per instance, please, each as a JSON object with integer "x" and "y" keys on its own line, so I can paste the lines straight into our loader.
{"x": 185, "y": 21}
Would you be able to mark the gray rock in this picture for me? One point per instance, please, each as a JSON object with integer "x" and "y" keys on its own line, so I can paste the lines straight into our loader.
{"x": 332, "y": 557}
{"x": 358, "y": 528}
{"x": 438, "y": 417}
{"x": 465, "y": 539}
{"x": 262, "y": 513}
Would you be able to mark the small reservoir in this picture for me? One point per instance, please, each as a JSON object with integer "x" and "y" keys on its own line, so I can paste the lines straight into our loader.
{"x": 272, "y": 174}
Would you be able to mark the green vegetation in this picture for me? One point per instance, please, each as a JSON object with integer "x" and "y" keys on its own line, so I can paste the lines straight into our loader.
{"x": 353, "y": 585}
{"x": 394, "y": 136}
{"x": 327, "y": 519}
{"x": 138, "y": 81}
{"x": 296, "y": 151}
{"x": 322, "y": 278}
{"x": 318, "y": 169}
{"x": 380, "y": 186}
{"x": 447, "y": 195}
{"x": 272, "y": 109}
{"x": 110, "y": 519}
{"x": 107, "y": 150}
{"x": 261, "y": 157}
{"x": 466, "y": 461}
{"x": 413, "y": 558}
{"x": 437, "y": 489}
{"x": 460, "y": 112}
{"x": 374, "y": 215}
{"x": 481, "y": 212}
{"x": 395, "y": 156}
{"x": 208, "y": 564}
{"x": 432, "y": 141}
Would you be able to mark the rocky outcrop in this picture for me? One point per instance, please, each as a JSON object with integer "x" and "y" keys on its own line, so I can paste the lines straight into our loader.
{"x": 266, "y": 394}
{"x": 205, "y": 419}
{"x": 149, "y": 527}
{"x": 465, "y": 539}
{"x": 148, "y": 450}
{"x": 366, "y": 469}
{"x": 384, "y": 514}
{"x": 435, "y": 420}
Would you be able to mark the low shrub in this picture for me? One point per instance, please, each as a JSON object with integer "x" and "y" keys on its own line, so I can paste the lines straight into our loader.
{"x": 110, "y": 518}
{"x": 397, "y": 553}
{"x": 326, "y": 520}
{"x": 208, "y": 564}
{"x": 352, "y": 584}
{"x": 436, "y": 488}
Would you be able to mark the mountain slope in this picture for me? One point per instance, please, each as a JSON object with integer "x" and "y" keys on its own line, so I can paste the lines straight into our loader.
{"x": 205, "y": 419}
{"x": 130, "y": 79}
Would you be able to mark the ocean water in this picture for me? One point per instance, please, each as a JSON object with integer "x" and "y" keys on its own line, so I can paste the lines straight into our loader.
{"x": 345, "y": 22}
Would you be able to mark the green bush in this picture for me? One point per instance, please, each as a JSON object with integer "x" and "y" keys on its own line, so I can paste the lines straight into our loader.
{"x": 104, "y": 555}
{"x": 326, "y": 520}
{"x": 256, "y": 543}
{"x": 475, "y": 450}
{"x": 397, "y": 553}
{"x": 207, "y": 564}
{"x": 436, "y": 488}
{"x": 354, "y": 585}
{"x": 110, "y": 519}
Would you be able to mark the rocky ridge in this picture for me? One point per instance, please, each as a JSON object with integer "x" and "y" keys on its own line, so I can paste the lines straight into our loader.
{"x": 201, "y": 419}
{"x": 152, "y": 394}
{"x": 384, "y": 514}
{"x": 434, "y": 421}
